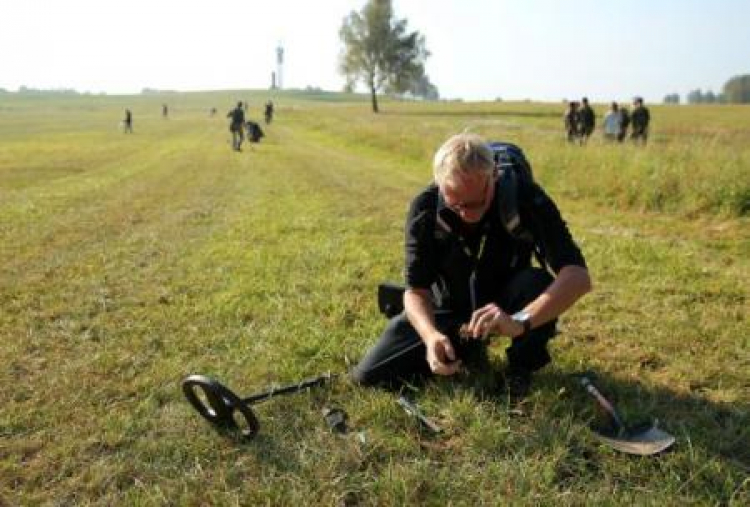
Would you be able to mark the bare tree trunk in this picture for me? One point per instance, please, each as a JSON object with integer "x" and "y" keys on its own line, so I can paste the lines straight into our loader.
{"x": 374, "y": 97}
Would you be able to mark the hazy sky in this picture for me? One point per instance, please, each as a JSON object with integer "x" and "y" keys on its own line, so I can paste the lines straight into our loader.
{"x": 481, "y": 49}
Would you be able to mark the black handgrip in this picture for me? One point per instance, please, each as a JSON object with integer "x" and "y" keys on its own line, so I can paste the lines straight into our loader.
{"x": 391, "y": 298}
{"x": 221, "y": 404}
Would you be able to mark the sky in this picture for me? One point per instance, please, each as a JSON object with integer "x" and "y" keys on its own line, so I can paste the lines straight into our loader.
{"x": 480, "y": 49}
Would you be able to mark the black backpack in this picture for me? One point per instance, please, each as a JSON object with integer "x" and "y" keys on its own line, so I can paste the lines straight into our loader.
{"x": 514, "y": 169}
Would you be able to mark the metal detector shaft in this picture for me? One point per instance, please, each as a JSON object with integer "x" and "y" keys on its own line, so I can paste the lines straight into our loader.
{"x": 291, "y": 388}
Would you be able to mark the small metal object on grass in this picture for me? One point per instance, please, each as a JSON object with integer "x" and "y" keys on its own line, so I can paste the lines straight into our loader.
{"x": 413, "y": 411}
{"x": 336, "y": 419}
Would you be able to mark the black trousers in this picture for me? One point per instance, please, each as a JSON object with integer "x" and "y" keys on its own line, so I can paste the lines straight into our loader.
{"x": 238, "y": 136}
{"x": 400, "y": 355}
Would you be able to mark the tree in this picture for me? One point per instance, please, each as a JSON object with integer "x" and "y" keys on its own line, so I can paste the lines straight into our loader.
{"x": 737, "y": 90}
{"x": 422, "y": 87}
{"x": 695, "y": 97}
{"x": 709, "y": 97}
{"x": 672, "y": 98}
{"x": 379, "y": 52}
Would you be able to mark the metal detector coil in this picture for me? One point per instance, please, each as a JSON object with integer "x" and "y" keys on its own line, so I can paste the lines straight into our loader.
{"x": 219, "y": 405}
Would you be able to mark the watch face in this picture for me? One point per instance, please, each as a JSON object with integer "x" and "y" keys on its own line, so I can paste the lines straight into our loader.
{"x": 524, "y": 319}
{"x": 521, "y": 316}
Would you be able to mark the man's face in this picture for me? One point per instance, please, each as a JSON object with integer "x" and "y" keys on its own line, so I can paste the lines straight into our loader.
{"x": 469, "y": 195}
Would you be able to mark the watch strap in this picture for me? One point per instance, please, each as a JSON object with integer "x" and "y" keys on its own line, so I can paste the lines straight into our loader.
{"x": 524, "y": 319}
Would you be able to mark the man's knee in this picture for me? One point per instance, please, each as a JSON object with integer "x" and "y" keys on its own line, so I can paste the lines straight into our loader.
{"x": 396, "y": 354}
{"x": 524, "y": 287}
{"x": 536, "y": 278}
{"x": 530, "y": 352}
{"x": 364, "y": 377}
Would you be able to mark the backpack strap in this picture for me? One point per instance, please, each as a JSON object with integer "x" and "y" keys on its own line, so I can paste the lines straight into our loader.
{"x": 512, "y": 166}
{"x": 506, "y": 202}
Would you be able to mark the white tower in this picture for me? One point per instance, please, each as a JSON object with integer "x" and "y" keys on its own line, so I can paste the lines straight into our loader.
{"x": 279, "y": 66}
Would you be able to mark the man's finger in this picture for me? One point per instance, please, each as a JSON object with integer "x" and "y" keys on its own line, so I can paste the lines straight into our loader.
{"x": 450, "y": 354}
{"x": 488, "y": 325}
{"x": 479, "y": 318}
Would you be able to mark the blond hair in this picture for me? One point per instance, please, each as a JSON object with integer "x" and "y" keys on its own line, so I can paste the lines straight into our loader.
{"x": 462, "y": 153}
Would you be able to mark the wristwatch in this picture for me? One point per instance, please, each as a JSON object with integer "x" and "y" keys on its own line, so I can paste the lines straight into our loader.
{"x": 524, "y": 318}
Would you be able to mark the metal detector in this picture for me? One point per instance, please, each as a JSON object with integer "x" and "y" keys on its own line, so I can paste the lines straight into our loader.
{"x": 220, "y": 406}
{"x": 643, "y": 439}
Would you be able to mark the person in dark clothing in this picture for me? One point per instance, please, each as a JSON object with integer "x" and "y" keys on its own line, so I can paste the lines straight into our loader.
{"x": 588, "y": 120}
{"x": 624, "y": 123}
{"x": 268, "y": 112}
{"x": 572, "y": 122}
{"x": 164, "y": 111}
{"x": 128, "y": 122}
{"x": 254, "y": 132}
{"x": 236, "y": 126}
{"x": 640, "y": 119}
{"x": 467, "y": 278}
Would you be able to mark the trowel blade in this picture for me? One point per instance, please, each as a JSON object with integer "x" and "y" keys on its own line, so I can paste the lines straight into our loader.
{"x": 643, "y": 441}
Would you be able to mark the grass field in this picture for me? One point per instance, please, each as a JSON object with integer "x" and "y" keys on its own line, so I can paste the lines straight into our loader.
{"x": 130, "y": 261}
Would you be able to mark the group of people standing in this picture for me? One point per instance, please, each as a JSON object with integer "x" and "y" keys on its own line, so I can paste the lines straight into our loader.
{"x": 580, "y": 121}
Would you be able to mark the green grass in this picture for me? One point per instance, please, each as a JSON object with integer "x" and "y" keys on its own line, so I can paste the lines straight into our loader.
{"x": 128, "y": 262}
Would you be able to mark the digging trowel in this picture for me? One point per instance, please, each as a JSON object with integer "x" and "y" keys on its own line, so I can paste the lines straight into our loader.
{"x": 643, "y": 439}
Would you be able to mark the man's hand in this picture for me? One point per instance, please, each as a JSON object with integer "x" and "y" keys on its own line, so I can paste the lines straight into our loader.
{"x": 440, "y": 355}
{"x": 491, "y": 319}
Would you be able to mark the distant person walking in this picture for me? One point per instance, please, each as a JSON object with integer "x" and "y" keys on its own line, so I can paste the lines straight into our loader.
{"x": 624, "y": 123}
{"x": 236, "y": 126}
{"x": 641, "y": 119}
{"x": 572, "y": 121}
{"x": 588, "y": 120}
{"x": 612, "y": 123}
{"x": 164, "y": 111}
{"x": 127, "y": 123}
{"x": 269, "y": 112}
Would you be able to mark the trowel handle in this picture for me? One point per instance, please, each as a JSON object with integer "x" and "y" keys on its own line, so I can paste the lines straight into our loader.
{"x": 603, "y": 402}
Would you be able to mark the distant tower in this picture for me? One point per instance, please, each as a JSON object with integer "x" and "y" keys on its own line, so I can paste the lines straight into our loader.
{"x": 279, "y": 66}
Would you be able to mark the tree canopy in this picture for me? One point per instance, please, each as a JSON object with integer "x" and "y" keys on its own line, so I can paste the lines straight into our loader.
{"x": 737, "y": 90}
{"x": 382, "y": 54}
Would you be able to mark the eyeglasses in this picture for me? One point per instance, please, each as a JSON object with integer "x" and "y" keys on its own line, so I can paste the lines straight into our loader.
{"x": 474, "y": 206}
